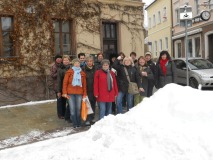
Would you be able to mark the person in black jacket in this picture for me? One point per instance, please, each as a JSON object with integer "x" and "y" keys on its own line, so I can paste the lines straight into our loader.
{"x": 90, "y": 70}
{"x": 166, "y": 70}
{"x": 146, "y": 75}
{"x": 151, "y": 65}
{"x": 100, "y": 57}
{"x": 123, "y": 83}
{"x": 63, "y": 110}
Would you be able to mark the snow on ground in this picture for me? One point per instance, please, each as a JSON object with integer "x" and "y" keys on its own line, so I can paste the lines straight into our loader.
{"x": 28, "y": 103}
{"x": 174, "y": 124}
{"x": 34, "y": 136}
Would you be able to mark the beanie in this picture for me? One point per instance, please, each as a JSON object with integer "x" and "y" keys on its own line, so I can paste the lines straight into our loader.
{"x": 58, "y": 56}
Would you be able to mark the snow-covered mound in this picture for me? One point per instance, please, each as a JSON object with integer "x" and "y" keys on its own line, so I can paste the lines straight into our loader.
{"x": 176, "y": 123}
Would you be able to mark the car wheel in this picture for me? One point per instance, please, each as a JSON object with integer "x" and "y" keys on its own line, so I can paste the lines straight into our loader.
{"x": 193, "y": 83}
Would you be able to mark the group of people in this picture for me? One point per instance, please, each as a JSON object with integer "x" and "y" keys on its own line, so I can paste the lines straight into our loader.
{"x": 106, "y": 82}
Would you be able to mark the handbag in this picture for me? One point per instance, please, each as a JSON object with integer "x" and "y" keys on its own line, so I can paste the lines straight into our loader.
{"x": 133, "y": 87}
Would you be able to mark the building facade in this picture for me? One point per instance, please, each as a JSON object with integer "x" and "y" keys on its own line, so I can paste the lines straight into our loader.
{"x": 32, "y": 33}
{"x": 159, "y": 26}
{"x": 200, "y": 34}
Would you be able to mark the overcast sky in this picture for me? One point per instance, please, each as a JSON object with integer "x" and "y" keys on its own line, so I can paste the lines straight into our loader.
{"x": 147, "y": 2}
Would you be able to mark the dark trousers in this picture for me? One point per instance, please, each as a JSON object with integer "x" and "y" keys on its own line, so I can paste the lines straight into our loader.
{"x": 150, "y": 89}
{"x": 61, "y": 106}
{"x": 92, "y": 100}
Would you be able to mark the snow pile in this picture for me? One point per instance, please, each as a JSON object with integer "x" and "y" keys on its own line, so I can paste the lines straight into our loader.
{"x": 174, "y": 124}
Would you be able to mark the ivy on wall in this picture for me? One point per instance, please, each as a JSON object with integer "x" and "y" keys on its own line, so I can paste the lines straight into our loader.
{"x": 33, "y": 33}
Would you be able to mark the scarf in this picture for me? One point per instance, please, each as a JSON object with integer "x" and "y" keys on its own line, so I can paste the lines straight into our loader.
{"x": 109, "y": 79}
{"x": 163, "y": 64}
{"x": 76, "y": 81}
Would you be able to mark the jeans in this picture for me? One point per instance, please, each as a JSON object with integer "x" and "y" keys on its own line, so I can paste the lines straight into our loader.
{"x": 129, "y": 99}
{"x": 105, "y": 108}
{"x": 61, "y": 106}
{"x": 75, "y": 109}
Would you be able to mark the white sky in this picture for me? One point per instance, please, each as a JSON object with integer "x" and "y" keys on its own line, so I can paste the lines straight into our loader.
{"x": 147, "y": 2}
{"x": 175, "y": 123}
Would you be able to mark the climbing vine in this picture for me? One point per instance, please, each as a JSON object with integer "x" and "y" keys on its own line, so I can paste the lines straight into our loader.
{"x": 33, "y": 36}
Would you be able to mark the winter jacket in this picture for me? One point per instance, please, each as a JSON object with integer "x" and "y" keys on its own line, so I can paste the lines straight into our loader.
{"x": 101, "y": 89}
{"x": 54, "y": 70}
{"x": 122, "y": 81}
{"x": 152, "y": 66}
{"x": 145, "y": 80}
{"x": 90, "y": 73}
{"x": 60, "y": 76}
{"x": 68, "y": 88}
{"x": 98, "y": 65}
{"x": 170, "y": 77}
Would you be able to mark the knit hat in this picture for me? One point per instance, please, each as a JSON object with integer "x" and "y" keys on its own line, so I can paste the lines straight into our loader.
{"x": 104, "y": 61}
{"x": 58, "y": 56}
{"x": 75, "y": 60}
{"x": 148, "y": 53}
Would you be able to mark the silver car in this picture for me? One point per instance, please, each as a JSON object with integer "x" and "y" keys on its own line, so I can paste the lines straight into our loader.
{"x": 200, "y": 72}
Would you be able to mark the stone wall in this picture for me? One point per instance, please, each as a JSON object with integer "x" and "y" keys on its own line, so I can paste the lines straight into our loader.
{"x": 25, "y": 77}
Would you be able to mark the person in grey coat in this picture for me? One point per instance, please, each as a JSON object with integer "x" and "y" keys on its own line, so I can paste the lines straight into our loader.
{"x": 146, "y": 75}
{"x": 165, "y": 70}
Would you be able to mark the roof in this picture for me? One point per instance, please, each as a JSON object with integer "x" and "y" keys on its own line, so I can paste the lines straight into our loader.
{"x": 150, "y": 4}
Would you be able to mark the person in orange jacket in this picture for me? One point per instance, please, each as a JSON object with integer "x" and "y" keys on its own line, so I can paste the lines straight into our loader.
{"x": 74, "y": 89}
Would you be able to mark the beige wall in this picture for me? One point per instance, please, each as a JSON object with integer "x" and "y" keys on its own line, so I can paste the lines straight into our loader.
{"x": 130, "y": 28}
{"x": 161, "y": 30}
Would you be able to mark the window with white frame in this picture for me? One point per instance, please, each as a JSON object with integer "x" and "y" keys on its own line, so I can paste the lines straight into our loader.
{"x": 177, "y": 16}
{"x": 150, "y": 22}
{"x": 159, "y": 17}
{"x": 154, "y": 20}
{"x": 196, "y": 2}
{"x": 211, "y": 4}
{"x": 194, "y": 46}
{"x": 178, "y": 49}
{"x": 166, "y": 43}
{"x": 160, "y": 45}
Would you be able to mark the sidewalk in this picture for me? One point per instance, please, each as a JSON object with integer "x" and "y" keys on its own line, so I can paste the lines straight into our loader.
{"x": 16, "y": 121}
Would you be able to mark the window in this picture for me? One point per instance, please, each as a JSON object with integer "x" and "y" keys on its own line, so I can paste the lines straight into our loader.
{"x": 196, "y": 7}
{"x": 166, "y": 43}
{"x": 211, "y": 4}
{"x": 154, "y": 20}
{"x": 109, "y": 39}
{"x": 6, "y": 42}
{"x": 194, "y": 47}
{"x": 178, "y": 49}
{"x": 164, "y": 14}
{"x": 150, "y": 21}
{"x": 190, "y": 47}
{"x": 177, "y": 14}
{"x": 156, "y": 48}
{"x": 62, "y": 34}
{"x": 197, "y": 47}
{"x": 160, "y": 45}
{"x": 159, "y": 17}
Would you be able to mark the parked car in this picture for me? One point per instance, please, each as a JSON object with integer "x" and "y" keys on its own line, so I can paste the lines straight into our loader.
{"x": 200, "y": 72}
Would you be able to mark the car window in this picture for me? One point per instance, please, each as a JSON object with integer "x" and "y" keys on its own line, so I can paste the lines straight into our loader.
{"x": 180, "y": 64}
{"x": 197, "y": 64}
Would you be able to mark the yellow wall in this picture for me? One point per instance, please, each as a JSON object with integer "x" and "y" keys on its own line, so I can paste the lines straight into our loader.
{"x": 160, "y": 30}
{"x": 130, "y": 27}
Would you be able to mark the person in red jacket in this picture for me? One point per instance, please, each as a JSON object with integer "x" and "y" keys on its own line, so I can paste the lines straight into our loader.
{"x": 105, "y": 88}
{"x": 74, "y": 89}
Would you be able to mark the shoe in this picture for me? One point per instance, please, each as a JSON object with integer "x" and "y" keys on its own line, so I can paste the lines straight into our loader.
{"x": 87, "y": 123}
{"x": 60, "y": 117}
